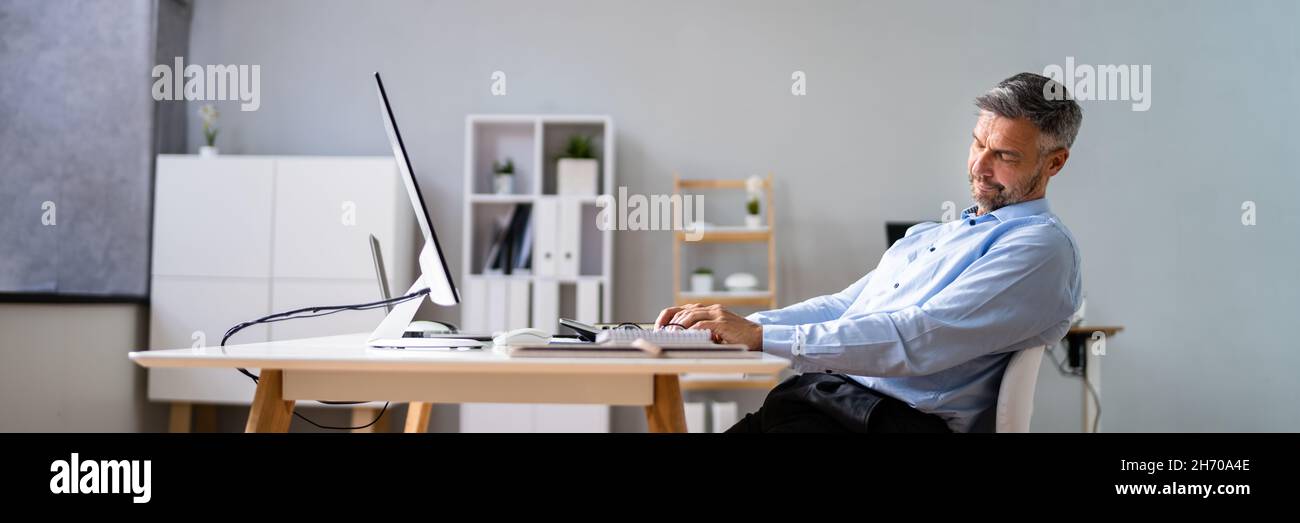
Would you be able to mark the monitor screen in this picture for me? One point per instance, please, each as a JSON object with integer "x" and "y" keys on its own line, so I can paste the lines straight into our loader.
{"x": 433, "y": 265}
{"x": 895, "y": 231}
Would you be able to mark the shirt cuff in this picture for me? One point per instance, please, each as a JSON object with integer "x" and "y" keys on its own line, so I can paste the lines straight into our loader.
{"x": 785, "y": 341}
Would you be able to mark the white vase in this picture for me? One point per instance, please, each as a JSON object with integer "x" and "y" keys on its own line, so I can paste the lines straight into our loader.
{"x": 741, "y": 281}
{"x": 207, "y": 151}
{"x": 503, "y": 183}
{"x": 753, "y": 221}
{"x": 701, "y": 283}
{"x": 576, "y": 176}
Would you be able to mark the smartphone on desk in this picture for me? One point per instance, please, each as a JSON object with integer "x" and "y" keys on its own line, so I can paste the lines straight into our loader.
{"x": 588, "y": 332}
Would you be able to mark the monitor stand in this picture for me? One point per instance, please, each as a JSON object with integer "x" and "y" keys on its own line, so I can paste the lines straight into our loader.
{"x": 389, "y": 332}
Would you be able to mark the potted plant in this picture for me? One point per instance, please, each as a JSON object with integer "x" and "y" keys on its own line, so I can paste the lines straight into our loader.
{"x": 209, "y": 115}
{"x": 702, "y": 281}
{"x": 577, "y": 168}
{"x": 503, "y": 177}
{"x": 752, "y": 219}
{"x": 754, "y": 186}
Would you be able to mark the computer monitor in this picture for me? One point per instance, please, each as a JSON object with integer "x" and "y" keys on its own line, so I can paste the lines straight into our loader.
{"x": 895, "y": 231}
{"x": 434, "y": 272}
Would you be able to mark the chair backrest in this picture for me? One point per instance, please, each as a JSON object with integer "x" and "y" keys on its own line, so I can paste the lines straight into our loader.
{"x": 1016, "y": 395}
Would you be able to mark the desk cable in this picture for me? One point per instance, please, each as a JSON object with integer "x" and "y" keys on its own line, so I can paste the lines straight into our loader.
{"x": 313, "y": 312}
{"x": 1078, "y": 373}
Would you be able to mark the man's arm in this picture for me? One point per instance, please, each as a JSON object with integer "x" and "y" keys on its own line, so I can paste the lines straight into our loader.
{"x": 813, "y": 310}
{"x": 1024, "y": 285}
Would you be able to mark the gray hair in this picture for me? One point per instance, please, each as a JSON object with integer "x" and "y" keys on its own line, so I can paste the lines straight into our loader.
{"x": 1026, "y": 95}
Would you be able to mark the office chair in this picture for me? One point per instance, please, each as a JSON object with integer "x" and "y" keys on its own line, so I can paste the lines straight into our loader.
{"x": 1016, "y": 395}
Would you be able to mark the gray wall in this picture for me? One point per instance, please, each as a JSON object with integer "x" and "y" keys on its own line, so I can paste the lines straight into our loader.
{"x": 703, "y": 88}
{"x": 63, "y": 368}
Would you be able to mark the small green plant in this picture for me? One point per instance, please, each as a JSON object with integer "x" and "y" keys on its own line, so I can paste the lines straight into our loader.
{"x": 752, "y": 206}
{"x": 506, "y": 168}
{"x": 703, "y": 271}
{"x": 209, "y": 115}
{"x": 579, "y": 147}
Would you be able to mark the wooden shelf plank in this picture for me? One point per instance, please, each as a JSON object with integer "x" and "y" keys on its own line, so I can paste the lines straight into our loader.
{"x": 755, "y": 298}
{"x": 729, "y": 235}
{"x": 715, "y": 184}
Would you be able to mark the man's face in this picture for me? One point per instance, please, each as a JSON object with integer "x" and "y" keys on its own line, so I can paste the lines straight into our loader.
{"x": 1004, "y": 166}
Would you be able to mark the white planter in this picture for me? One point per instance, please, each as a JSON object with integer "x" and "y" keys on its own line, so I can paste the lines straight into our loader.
{"x": 503, "y": 183}
{"x": 741, "y": 281}
{"x": 207, "y": 151}
{"x": 576, "y": 176}
{"x": 701, "y": 283}
{"x": 753, "y": 221}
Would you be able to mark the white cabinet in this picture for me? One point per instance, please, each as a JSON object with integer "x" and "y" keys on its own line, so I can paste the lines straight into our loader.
{"x": 325, "y": 208}
{"x": 239, "y": 237}
{"x": 572, "y": 260}
{"x": 212, "y": 217}
{"x": 195, "y": 311}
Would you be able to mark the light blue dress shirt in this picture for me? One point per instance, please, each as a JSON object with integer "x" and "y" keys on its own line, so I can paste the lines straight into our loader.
{"x": 935, "y": 323}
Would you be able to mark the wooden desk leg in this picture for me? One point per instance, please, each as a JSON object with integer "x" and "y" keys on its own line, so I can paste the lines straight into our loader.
{"x": 180, "y": 417}
{"x": 364, "y": 415}
{"x": 417, "y": 417}
{"x": 667, "y": 413}
{"x": 205, "y": 418}
{"x": 270, "y": 411}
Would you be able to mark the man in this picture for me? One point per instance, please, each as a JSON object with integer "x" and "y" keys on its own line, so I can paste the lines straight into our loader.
{"x": 920, "y": 343}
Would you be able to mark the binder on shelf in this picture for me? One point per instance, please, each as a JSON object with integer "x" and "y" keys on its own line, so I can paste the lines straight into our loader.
{"x": 511, "y": 242}
{"x": 524, "y": 262}
{"x": 492, "y": 262}
{"x": 588, "y": 298}
{"x": 724, "y": 415}
{"x": 694, "y": 416}
{"x": 498, "y": 299}
{"x": 474, "y": 309}
{"x": 519, "y": 219}
{"x": 544, "y": 227}
{"x": 517, "y": 306}
{"x": 568, "y": 230}
{"x": 546, "y": 305}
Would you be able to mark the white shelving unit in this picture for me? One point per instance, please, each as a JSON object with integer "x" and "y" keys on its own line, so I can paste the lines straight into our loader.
{"x": 572, "y": 260}
{"x": 535, "y": 143}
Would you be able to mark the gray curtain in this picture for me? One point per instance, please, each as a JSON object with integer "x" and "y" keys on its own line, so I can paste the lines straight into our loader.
{"x": 79, "y": 131}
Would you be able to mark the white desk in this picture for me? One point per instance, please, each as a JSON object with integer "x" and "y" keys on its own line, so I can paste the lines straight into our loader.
{"x": 342, "y": 368}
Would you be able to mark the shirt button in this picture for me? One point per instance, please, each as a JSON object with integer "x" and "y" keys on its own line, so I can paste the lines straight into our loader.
{"x": 895, "y": 285}
{"x": 972, "y": 222}
{"x": 931, "y": 249}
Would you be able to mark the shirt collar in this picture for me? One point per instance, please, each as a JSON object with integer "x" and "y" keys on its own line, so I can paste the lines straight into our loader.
{"x": 1019, "y": 210}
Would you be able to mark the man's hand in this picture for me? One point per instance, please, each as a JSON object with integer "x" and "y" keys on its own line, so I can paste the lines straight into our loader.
{"x": 726, "y": 326}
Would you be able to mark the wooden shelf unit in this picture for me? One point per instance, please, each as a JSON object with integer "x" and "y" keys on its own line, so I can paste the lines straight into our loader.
{"x": 764, "y": 298}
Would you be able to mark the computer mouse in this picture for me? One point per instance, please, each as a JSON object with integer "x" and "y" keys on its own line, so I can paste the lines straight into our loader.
{"x": 522, "y": 337}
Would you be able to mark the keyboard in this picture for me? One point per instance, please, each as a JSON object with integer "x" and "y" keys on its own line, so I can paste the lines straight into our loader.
{"x": 663, "y": 338}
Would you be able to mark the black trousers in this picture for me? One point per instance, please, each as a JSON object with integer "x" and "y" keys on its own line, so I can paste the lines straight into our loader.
{"x": 821, "y": 402}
